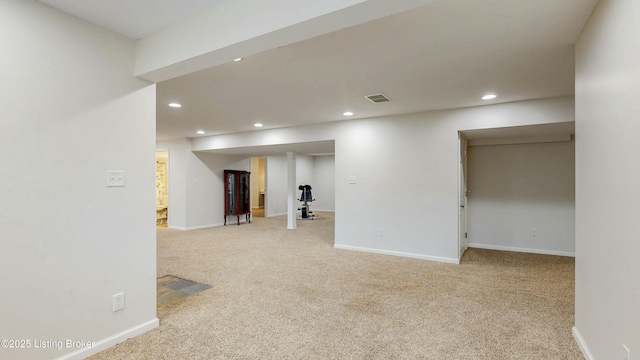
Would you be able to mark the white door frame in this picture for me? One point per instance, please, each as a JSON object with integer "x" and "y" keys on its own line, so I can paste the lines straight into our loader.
{"x": 462, "y": 195}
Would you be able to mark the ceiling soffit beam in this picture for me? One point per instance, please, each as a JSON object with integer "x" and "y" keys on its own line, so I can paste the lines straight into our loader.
{"x": 241, "y": 28}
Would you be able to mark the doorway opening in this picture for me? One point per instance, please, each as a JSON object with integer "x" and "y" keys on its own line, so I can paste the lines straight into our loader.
{"x": 462, "y": 195}
{"x": 258, "y": 187}
{"x": 520, "y": 189}
{"x": 162, "y": 188}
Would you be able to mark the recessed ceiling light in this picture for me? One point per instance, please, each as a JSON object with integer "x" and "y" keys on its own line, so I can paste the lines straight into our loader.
{"x": 347, "y": 113}
{"x": 257, "y": 125}
{"x": 200, "y": 132}
{"x": 489, "y": 97}
{"x": 175, "y": 105}
{"x": 237, "y": 59}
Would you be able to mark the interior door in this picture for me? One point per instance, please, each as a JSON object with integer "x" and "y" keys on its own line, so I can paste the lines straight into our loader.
{"x": 462, "y": 195}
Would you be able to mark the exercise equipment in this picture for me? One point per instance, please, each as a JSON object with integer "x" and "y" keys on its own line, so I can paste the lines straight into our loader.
{"x": 306, "y": 198}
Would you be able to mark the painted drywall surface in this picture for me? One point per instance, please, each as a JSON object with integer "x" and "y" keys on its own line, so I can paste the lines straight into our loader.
{"x": 205, "y": 204}
{"x": 304, "y": 171}
{"x": 406, "y": 184}
{"x": 201, "y": 184}
{"x": 195, "y": 185}
{"x": 324, "y": 183}
{"x": 276, "y": 198}
{"x": 72, "y": 111}
{"x": 514, "y": 188}
{"x": 217, "y": 35}
{"x": 205, "y": 200}
{"x": 265, "y": 137}
{"x": 531, "y": 112}
{"x": 276, "y": 183}
{"x": 205, "y": 185}
{"x": 406, "y": 170}
{"x": 607, "y": 174}
{"x": 229, "y": 26}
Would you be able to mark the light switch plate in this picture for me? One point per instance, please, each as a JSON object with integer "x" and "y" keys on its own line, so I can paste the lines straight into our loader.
{"x": 115, "y": 178}
{"x": 117, "y": 302}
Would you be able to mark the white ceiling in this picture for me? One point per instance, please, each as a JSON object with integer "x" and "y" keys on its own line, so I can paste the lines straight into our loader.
{"x": 439, "y": 56}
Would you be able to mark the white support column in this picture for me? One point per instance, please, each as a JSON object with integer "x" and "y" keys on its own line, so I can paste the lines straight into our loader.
{"x": 291, "y": 192}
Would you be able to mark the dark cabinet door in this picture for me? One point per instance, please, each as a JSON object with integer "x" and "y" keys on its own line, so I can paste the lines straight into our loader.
{"x": 237, "y": 192}
{"x": 244, "y": 193}
{"x": 230, "y": 190}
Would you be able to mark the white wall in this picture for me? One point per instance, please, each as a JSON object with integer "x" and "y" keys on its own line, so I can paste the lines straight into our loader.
{"x": 304, "y": 171}
{"x": 205, "y": 205}
{"x": 319, "y": 172}
{"x": 276, "y": 186}
{"x": 406, "y": 169}
{"x": 213, "y": 36}
{"x": 71, "y": 111}
{"x": 514, "y": 188}
{"x": 607, "y": 176}
{"x": 196, "y": 187}
{"x": 407, "y": 176}
{"x": 324, "y": 180}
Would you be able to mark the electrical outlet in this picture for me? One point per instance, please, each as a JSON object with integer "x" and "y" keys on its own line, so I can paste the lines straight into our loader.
{"x": 534, "y": 232}
{"x": 115, "y": 178}
{"x": 627, "y": 353}
{"x": 381, "y": 232}
{"x": 118, "y": 302}
{"x": 352, "y": 179}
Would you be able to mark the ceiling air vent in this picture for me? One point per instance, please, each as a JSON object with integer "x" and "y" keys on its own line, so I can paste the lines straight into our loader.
{"x": 377, "y": 98}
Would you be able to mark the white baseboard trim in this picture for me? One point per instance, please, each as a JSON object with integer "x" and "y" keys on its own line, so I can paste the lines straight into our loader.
{"x": 398, "y": 253}
{"x": 581, "y": 344}
{"x": 176, "y": 228}
{"x": 524, "y": 250}
{"x": 111, "y": 341}
{"x": 208, "y": 226}
{"x": 283, "y": 214}
{"x": 274, "y": 215}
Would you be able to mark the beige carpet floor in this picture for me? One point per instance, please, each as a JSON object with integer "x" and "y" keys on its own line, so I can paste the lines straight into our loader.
{"x": 288, "y": 294}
